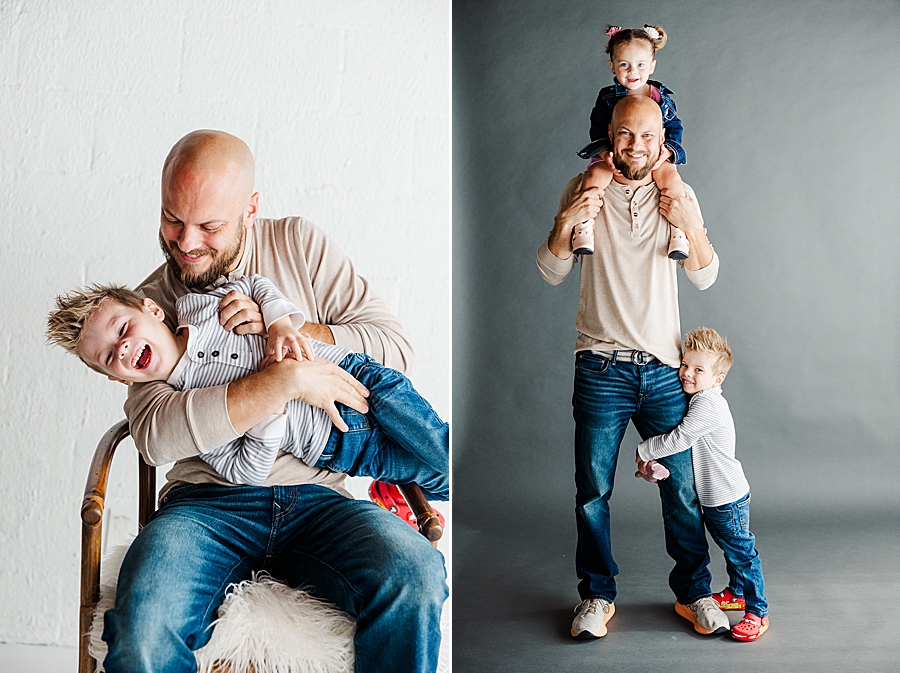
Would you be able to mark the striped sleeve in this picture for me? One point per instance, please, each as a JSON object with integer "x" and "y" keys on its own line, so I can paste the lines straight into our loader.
{"x": 702, "y": 418}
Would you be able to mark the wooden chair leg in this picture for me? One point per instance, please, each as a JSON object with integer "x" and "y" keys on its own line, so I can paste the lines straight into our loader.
{"x": 429, "y": 523}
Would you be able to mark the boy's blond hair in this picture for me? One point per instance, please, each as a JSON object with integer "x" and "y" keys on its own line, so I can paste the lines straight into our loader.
{"x": 706, "y": 340}
{"x": 65, "y": 325}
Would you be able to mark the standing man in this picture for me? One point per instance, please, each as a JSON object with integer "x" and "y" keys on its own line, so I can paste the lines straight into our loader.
{"x": 301, "y": 526}
{"x": 627, "y": 356}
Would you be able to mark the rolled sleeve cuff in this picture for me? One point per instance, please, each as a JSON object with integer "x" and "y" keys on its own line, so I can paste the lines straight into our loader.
{"x": 644, "y": 451}
{"x": 678, "y": 156}
{"x": 703, "y": 278}
{"x": 272, "y": 427}
{"x": 553, "y": 269}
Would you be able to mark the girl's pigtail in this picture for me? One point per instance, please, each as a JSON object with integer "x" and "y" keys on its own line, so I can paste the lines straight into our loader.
{"x": 657, "y": 35}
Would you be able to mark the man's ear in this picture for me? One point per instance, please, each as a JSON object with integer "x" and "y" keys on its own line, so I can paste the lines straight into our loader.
{"x": 155, "y": 309}
{"x": 113, "y": 378}
{"x": 251, "y": 211}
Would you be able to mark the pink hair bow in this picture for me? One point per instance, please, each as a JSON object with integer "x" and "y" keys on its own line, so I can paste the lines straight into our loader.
{"x": 613, "y": 30}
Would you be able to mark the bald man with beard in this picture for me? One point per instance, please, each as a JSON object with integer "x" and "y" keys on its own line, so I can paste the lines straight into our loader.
{"x": 301, "y": 525}
{"x": 627, "y": 355}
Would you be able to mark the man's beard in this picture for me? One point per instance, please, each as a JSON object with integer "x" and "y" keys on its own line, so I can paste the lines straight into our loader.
{"x": 221, "y": 260}
{"x": 631, "y": 171}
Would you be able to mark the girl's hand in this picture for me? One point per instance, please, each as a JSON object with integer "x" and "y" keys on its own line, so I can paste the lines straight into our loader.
{"x": 608, "y": 158}
{"x": 664, "y": 154}
{"x": 283, "y": 340}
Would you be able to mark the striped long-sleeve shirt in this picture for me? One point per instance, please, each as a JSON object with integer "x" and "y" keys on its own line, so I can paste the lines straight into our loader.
{"x": 708, "y": 430}
{"x": 215, "y": 356}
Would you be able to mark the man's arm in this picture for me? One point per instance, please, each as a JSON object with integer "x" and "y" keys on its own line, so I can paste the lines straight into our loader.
{"x": 169, "y": 425}
{"x": 702, "y": 264}
{"x": 555, "y": 258}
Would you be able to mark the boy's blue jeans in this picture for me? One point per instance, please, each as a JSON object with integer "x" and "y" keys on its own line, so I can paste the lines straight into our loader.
{"x": 607, "y": 395}
{"x": 729, "y": 526}
{"x": 401, "y": 440}
{"x": 205, "y": 537}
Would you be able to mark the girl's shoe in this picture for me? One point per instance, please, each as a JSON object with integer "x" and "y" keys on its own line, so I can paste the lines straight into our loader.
{"x": 679, "y": 248}
{"x": 728, "y": 601}
{"x": 750, "y": 628}
{"x": 583, "y": 238}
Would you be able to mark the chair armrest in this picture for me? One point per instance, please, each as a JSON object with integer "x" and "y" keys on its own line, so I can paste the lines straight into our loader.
{"x": 98, "y": 476}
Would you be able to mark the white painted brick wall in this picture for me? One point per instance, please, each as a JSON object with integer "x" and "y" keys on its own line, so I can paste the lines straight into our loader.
{"x": 346, "y": 107}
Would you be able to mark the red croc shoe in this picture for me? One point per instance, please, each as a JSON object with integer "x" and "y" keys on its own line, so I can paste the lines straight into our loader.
{"x": 728, "y": 601}
{"x": 390, "y": 498}
{"x": 750, "y": 628}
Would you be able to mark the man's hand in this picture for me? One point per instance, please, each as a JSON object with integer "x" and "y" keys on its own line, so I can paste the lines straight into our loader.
{"x": 584, "y": 206}
{"x": 283, "y": 340}
{"x": 240, "y": 313}
{"x": 683, "y": 212}
{"x": 318, "y": 332}
{"x": 321, "y": 383}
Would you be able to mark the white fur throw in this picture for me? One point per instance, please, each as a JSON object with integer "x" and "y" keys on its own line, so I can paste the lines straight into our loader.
{"x": 263, "y": 626}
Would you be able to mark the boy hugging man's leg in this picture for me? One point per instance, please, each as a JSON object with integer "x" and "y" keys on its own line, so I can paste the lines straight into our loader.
{"x": 118, "y": 333}
{"x": 708, "y": 430}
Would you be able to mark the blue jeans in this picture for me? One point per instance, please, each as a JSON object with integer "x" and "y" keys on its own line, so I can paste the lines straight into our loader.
{"x": 607, "y": 395}
{"x": 205, "y": 537}
{"x": 401, "y": 440}
{"x": 729, "y": 526}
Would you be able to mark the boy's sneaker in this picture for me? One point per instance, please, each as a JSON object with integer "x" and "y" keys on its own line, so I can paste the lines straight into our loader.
{"x": 583, "y": 238}
{"x": 590, "y": 622}
{"x": 750, "y": 628}
{"x": 705, "y": 615}
{"x": 728, "y": 601}
{"x": 390, "y": 498}
{"x": 679, "y": 248}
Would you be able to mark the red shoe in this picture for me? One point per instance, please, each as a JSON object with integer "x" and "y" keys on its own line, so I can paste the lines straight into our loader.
{"x": 750, "y": 628}
{"x": 728, "y": 601}
{"x": 390, "y": 498}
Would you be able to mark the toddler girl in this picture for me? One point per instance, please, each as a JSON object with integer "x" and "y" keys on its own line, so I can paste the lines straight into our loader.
{"x": 632, "y": 59}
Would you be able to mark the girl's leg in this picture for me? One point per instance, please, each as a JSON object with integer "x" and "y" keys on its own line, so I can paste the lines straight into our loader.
{"x": 670, "y": 184}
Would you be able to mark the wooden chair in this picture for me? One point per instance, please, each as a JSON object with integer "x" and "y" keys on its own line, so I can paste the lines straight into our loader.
{"x": 92, "y": 526}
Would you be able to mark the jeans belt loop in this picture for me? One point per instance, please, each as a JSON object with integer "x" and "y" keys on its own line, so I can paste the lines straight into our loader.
{"x": 615, "y": 355}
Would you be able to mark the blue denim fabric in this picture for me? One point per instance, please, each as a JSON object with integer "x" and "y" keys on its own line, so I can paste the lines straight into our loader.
{"x": 401, "y": 440}
{"x": 729, "y": 526}
{"x": 205, "y": 537}
{"x": 607, "y": 395}
{"x": 601, "y": 116}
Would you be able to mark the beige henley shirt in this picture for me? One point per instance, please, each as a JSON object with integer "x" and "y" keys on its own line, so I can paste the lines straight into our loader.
{"x": 629, "y": 287}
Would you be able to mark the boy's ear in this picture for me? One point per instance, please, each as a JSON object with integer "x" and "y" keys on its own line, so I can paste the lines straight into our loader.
{"x": 719, "y": 379}
{"x": 154, "y": 308}
{"x": 113, "y": 378}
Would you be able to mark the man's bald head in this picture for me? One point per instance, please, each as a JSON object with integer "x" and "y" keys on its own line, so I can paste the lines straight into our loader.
{"x": 636, "y": 110}
{"x": 208, "y": 203}
{"x": 202, "y": 156}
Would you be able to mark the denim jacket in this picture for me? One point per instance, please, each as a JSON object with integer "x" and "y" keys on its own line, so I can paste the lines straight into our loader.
{"x": 601, "y": 116}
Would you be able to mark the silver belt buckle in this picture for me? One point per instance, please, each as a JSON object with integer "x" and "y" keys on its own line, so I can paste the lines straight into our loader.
{"x": 637, "y": 358}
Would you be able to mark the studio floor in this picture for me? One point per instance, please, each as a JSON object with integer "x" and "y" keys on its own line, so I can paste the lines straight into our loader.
{"x": 829, "y": 583}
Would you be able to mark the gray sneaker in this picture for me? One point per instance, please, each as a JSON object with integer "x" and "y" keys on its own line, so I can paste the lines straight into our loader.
{"x": 705, "y": 615}
{"x": 590, "y": 622}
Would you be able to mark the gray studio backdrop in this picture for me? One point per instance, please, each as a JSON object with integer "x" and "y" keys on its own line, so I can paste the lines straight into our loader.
{"x": 791, "y": 115}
